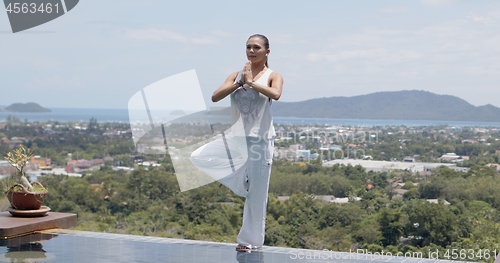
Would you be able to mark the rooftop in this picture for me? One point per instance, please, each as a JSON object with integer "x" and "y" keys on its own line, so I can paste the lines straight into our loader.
{"x": 382, "y": 166}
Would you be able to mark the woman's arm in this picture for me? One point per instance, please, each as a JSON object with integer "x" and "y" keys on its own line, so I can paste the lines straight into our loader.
{"x": 227, "y": 88}
{"x": 273, "y": 92}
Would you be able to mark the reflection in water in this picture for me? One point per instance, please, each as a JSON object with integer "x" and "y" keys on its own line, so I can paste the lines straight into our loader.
{"x": 25, "y": 248}
{"x": 253, "y": 257}
{"x": 31, "y": 252}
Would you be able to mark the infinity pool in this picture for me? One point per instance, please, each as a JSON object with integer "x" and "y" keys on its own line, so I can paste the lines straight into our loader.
{"x": 81, "y": 246}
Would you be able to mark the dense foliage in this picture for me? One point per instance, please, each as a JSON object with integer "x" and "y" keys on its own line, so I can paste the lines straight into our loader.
{"x": 147, "y": 201}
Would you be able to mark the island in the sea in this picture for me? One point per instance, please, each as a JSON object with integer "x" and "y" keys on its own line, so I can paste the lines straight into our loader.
{"x": 25, "y": 107}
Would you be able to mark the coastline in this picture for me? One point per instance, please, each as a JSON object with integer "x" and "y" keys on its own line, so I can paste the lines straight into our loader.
{"x": 121, "y": 116}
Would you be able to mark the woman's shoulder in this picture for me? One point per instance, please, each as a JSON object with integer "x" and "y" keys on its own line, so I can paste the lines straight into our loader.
{"x": 274, "y": 75}
{"x": 233, "y": 76}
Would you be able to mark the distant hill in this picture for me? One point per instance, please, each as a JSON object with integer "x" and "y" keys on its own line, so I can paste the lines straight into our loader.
{"x": 397, "y": 105}
{"x": 26, "y": 107}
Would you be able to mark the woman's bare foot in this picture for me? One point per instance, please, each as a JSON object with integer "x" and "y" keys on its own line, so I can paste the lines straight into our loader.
{"x": 242, "y": 248}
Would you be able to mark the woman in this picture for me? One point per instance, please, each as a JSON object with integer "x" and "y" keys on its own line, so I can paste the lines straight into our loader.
{"x": 252, "y": 91}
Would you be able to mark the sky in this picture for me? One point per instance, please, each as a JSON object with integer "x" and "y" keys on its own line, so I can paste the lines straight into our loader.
{"x": 103, "y": 52}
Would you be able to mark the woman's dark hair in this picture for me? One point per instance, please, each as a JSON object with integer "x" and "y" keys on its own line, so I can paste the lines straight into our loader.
{"x": 266, "y": 42}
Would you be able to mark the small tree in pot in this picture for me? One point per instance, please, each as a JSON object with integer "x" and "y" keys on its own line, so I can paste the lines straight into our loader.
{"x": 22, "y": 194}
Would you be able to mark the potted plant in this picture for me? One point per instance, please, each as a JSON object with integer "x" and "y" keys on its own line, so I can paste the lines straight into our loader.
{"x": 22, "y": 194}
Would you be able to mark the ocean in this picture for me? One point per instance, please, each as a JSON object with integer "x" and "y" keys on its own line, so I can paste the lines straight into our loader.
{"x": 121, "y": 116}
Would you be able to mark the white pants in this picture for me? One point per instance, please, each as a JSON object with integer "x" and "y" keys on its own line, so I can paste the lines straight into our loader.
{"x": 250, "y": 180}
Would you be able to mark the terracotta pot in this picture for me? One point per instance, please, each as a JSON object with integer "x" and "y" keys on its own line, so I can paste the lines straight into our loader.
{"x": 24, "y": 199}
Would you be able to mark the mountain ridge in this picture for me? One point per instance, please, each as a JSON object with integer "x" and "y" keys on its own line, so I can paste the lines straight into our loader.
{"x": 405, "y": 104}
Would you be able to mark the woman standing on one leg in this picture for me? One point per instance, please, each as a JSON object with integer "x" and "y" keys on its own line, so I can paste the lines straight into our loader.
{"x": 252, "y": 91}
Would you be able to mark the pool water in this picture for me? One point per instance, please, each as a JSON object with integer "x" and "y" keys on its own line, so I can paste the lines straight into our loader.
{"x": 82, "y": 246}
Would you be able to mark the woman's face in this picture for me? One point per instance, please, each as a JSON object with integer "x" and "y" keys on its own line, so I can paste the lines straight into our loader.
{"x": 256, "y": 50}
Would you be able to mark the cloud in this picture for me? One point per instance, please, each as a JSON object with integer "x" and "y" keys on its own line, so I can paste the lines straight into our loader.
{"x": 167, "y": 36}
{"x": 345, "y": 55}
{"x": 282, "y": 38}
{"x": 405, "y": 55}
{"x": 356, "y": 54}
{"x": 314, "y": 57}
{"x": 439, "y": 3}
{"x": 380, "y": 54}
{"x": 221, "y": 33}
{"x": 479, "y": 19}
{"x": 155, "y": 34}
{"x": 393, "y": 10}
{"x": 204, "y": 40}
{"x": 55, "y": 83}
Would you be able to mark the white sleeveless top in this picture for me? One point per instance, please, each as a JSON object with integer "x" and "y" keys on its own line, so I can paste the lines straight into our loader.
{"x": 254, "y": 108}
